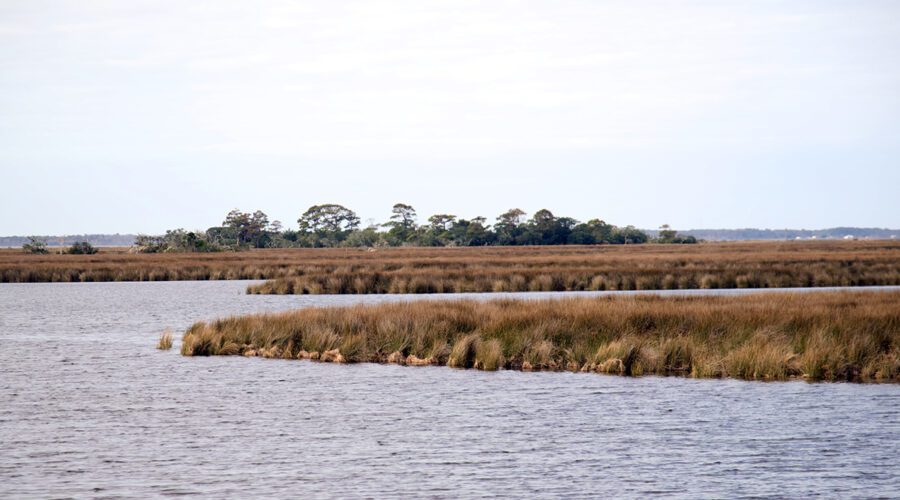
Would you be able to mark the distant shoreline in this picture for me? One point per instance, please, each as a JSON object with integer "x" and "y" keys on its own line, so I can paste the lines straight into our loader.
{"x": 748, "y": 234}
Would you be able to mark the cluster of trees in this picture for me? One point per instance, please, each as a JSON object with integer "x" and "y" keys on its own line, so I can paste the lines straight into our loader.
{"x": 669, "y": 235}
{"x": 333, "y": 225}
{"x": 238, "y": 230}
{"x": 38, "y": 245}
{"x": 179, "y": 240}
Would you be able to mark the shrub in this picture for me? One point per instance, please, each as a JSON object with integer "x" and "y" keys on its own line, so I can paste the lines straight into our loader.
{"x": 81, "y": 248}
{"x": 35, "y": 245}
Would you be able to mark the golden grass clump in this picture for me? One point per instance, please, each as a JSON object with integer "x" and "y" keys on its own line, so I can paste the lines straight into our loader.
{"x": 766, "y": 355}
{"x": 538, "y": 355}
{"x": 488, "y": 355}
{"x": 165, "y": 340}
{"x": 852, "y": 336}
{"x": 463, "y": 353}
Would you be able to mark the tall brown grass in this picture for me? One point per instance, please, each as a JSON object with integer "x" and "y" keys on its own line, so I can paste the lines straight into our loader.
{"x": 853, "y": 336}
{"x": 165, "y": 340}
{"x": 488, "y": 269}
{"x": 646, "y": 267}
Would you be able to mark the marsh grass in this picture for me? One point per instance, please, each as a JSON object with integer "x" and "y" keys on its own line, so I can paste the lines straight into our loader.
{"x": 488, "y": 355}
{"x": 463, "y": 353}
{"x": 853, "y": 336}
{"x": 644, "y": 267}
{"x": 165, "y": 340}
{"x": 488, "y": 269}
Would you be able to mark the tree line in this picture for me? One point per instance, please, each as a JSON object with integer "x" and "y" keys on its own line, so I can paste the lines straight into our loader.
{"x": 333, "y": 225}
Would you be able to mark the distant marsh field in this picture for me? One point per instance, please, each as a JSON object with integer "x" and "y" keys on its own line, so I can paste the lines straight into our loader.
{"x": 487, "y": 269}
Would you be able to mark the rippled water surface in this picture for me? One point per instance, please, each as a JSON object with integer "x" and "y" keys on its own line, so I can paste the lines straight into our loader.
{"x": 88, "y": 408}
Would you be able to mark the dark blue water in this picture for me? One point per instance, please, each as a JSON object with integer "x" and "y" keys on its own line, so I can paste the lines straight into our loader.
{"x": 89, "y": 408}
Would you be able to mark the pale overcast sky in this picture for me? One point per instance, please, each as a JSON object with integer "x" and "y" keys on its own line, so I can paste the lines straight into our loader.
{"x": 141, "y": 116}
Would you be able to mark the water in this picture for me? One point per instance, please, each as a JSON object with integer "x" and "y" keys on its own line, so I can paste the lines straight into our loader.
{"x": 88, "y": 408}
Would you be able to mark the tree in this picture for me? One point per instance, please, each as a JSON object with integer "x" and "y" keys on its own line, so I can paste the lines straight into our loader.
{"x": 258, "y": 231}
{"x": 601, "y": 230}
{"x": 237, "y": 220}
{"x": 594, "y": 231}
{"x": 627, "y": 235}
{"x": 82, "y": 248}
{"x": 581, "y": 235}
{"x": 544, "y": 228}
{"x": 402, "y": 223}
{"x": 259, "y": 221}
{"x": 35, "y": 245}
{"x": 224, "y": 236}
{"x": 437, "y": 232}
{"x": 441, "y": 222}
{"x": 367, "y": 237}
{"x": 250, "y": 228}
{"x": 478, "y": 233}
{"x": 150, "y": 244}
{"x": 404, "y": 215}
{"x": 508, "y": 226}
{"x": 667, "y": 234}
{"x": 328, "y": 224}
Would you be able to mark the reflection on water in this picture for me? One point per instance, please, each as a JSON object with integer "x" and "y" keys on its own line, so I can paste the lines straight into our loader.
{"x": 88, "y": 407}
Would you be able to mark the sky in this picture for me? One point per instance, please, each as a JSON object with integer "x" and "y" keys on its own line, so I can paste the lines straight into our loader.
{"x": 137, "y": 117}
